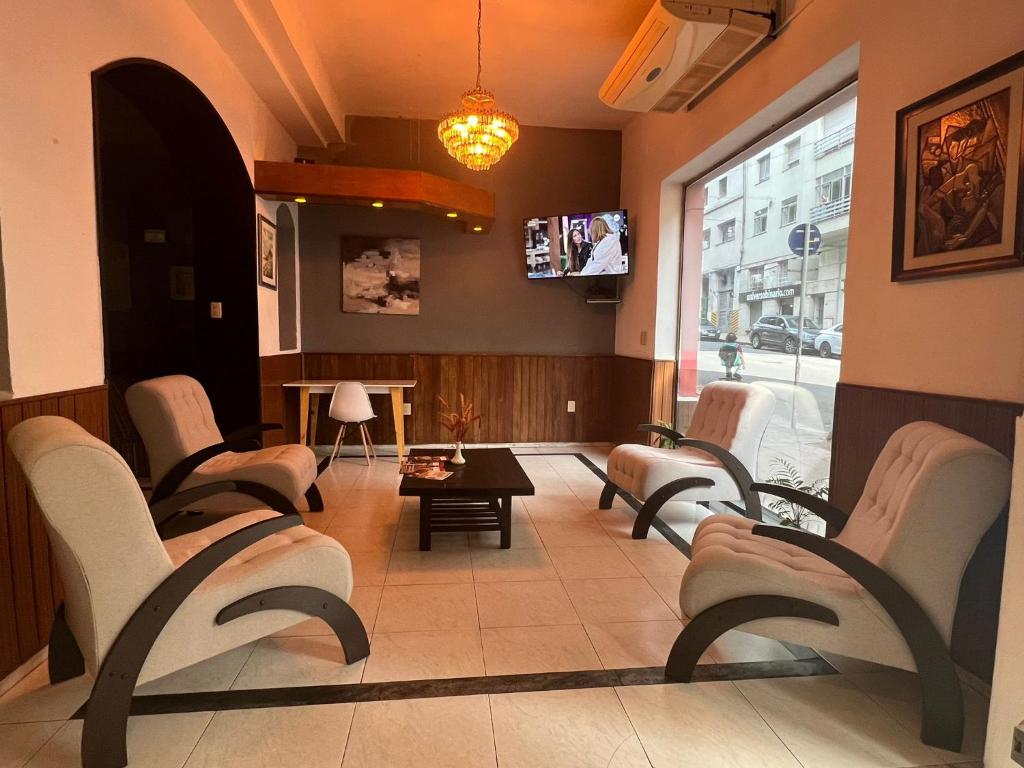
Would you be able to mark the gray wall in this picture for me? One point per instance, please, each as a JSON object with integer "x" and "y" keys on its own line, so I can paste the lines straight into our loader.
{"x": 475, "y": 296}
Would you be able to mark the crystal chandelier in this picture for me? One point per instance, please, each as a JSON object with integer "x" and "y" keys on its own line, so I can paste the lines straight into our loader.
{"x": 478, "y": 135}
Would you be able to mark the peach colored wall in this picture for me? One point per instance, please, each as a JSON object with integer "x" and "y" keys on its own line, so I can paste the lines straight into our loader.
{"x": 48, "y": 49}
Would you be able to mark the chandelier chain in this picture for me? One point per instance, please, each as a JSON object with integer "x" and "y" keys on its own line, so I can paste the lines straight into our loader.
{"x": 479, "y": 15}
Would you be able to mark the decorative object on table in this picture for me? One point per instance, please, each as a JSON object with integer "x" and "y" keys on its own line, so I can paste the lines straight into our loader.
{"x": 959, "y": 187}
{"x": 791, "y": 513}
{"x": 183, "y": 283}
{"x": 478, "y": 135}
{"x": 267, "y": 252}
{"x": 425, "y": 467}
{"x": 380, "y": 275}
{"x": 458, "y": 423}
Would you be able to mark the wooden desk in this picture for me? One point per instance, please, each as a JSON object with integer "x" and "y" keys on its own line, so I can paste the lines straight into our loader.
{"x": 309, "y": 403}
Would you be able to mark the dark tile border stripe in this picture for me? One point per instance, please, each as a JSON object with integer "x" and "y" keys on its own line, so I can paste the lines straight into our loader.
{"x": 260, "y": 698}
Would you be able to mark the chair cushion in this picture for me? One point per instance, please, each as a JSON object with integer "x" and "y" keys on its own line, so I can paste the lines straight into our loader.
{"x": 729, "y": 561}
{"x": 643, "y": 469}
{"x": 297, "y": 556}
{"x": 288, "y": 469}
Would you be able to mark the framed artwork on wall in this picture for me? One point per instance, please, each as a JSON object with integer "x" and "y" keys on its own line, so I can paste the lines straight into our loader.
{"x": 380, "y": 275}
{"x": 267, "y": 252}
{"x": 959, "y": 180}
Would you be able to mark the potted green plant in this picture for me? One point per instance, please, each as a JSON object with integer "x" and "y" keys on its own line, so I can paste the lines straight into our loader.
{"x": 791, "y": 514}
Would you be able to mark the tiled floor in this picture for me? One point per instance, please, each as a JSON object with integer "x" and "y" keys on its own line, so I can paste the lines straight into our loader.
{"x": 574, "y": 593}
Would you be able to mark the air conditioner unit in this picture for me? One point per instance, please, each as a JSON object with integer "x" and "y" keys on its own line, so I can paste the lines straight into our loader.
{"x": 682, "y": 48}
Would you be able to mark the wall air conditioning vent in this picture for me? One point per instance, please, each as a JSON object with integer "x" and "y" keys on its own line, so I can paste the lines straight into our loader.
{"x": 681, "y": 49}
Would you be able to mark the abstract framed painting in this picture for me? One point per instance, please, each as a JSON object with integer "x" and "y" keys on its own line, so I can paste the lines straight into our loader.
{"x": 267, "y": 252}
{"x": 380, "y": 275}
{"x": 960, "y": 177}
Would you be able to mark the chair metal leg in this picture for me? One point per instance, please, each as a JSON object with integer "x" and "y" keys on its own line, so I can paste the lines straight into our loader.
{"x": 715, "y": 621}
{"x": 607, "y": 495}
{"x": 657, "y": 500}
{"x": 314, "y": 499}
{"x": 64, "y": 658}
{"x": 338, "y": 614}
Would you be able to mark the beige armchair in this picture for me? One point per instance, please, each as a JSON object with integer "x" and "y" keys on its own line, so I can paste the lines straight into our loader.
{"x": 884, "y": 588}
{"x": 137, "y": 608}
{"x": 186, "y": 449}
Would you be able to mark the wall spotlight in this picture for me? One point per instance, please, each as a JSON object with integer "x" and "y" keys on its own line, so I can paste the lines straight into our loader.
{"x": 452, "y": 215}
{"x": 300, "y": 199}
{"x": 377, "y": 203}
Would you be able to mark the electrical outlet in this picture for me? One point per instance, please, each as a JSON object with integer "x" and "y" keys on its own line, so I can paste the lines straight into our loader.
{"x": 571, "y": 407}
{"x": 643, "y": 338}
{"x": 216, "y": 310}
{"x": 407, "y": 409}
{"x": 1017, "y": 753}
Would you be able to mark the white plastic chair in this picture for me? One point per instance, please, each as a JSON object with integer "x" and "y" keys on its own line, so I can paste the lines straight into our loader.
{"x": 351, "y": 405}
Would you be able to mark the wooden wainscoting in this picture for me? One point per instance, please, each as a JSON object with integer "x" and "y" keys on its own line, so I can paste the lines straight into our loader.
{"x": 29, "y": 587}
{"x": 276, "y": 405}
{"x": 864, "y": 419}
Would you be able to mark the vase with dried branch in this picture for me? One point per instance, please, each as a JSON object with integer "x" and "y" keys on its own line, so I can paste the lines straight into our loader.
{"x": 457, "y": 421}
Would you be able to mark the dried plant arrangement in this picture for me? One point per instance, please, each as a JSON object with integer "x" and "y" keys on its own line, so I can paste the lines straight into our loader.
{"x": 458, "y": 421}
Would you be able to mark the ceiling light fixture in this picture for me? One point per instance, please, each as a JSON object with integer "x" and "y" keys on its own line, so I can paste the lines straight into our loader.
{"x": 452, "y": 215}
{"x": 478, "y": 135}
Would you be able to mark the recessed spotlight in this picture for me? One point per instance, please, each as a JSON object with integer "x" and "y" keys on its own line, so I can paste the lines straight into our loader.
{"x": 478, "y": 228}
{"x": 452, "y": 215}
{"x": 377, "y": 203}
{"x": 300, "y": 199}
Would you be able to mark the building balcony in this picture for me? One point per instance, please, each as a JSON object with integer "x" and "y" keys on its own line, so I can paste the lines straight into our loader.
{"x": 834, "y": 141}
{"x": 830, "y": 210}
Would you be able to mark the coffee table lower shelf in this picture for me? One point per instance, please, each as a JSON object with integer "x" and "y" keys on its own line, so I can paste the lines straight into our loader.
{"x": 465, "y": 514}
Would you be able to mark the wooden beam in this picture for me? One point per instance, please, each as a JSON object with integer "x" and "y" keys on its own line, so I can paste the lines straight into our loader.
{"x": 354, "y": 185}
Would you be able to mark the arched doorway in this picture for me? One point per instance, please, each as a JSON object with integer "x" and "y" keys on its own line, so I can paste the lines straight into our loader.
{"x": 176, "y": 215}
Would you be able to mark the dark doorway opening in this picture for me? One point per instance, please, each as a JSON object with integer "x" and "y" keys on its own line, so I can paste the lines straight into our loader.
{"x": 176, "y": 216}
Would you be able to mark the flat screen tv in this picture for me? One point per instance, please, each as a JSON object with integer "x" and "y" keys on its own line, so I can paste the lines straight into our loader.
{"x": 577, "y": 245}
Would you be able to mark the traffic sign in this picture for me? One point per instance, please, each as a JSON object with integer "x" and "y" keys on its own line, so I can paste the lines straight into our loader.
{"x": 796, "y": 240}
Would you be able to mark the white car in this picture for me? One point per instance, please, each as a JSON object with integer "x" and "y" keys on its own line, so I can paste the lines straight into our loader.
{"x": 829, "y": 342}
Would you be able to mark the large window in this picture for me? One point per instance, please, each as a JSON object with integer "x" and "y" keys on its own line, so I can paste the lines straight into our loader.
{"x": 776, "y": 301}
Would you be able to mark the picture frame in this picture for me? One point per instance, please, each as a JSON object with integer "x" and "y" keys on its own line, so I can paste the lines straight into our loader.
{"x": 959, "y": 181}
{"x": 266, "y": 252}
{"x": 380, "y": 275}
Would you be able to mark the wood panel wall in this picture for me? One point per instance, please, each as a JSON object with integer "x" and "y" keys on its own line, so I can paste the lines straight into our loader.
{"x": 865, "y": 417}
{"x": 278, "y": 406}
{"x": 29, "y": 586}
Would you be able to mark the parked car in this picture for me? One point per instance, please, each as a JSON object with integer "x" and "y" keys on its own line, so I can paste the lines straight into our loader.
{"x": 709, "y": 332}
{"x": 830, "y": 341}
{"x": 780, "y": 331}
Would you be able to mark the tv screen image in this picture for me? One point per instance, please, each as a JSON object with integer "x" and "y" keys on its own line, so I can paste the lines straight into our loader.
{"x": 577, "y": 245}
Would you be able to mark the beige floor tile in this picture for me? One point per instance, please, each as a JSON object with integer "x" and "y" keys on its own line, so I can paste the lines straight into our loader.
{"x": 20, "y": 741}
{"x": 581, "y": 534}
{"x": 826, "y": 721}
{"x": 602, "y": 600}
{"x": 311, "y": 737}
{"x": 524, "y": 604}
{"x": 524, "y": 536}
{"x": 371, "y": 538}
{"x": 618, "y": 524}
{"x": 433, "y": 567}
{"x": 519, "y": 650}
{"x": 408, "y": 540}
{"x": 424, "y": 655}
{"x": 279, "y": 662}
{"x": 318, "y": 521}
{"x": 636, "y": 643}
{"x": 565, "y": 728}
{"x": 427, "y": 606}
{"x": 898, "y": 692}
{"x": 737, "y": 646}
{"x": 702, "y": 724}
{"x": 369, "y": 569}
{"x": 33, "y": 699}
{"x": 654, "y": 558}
{"x": 605, "y": 562}
{"x": 416, "y": 733}
{"x": 216, "y": 674}
{"x": 667, "y": 588}
{"x": 526, "y": 564}
{"x": 154, "y": 741}
{"x": 556, "y": 508}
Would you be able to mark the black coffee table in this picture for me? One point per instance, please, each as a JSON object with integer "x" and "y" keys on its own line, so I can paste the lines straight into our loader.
{"x": 477, "y": 497}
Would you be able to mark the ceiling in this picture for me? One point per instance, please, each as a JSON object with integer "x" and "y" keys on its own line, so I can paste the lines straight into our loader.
{"x": 544, "y": 59}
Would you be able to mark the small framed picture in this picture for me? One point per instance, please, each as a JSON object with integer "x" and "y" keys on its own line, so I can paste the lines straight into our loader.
{"x": 959, "y": 181}
{"x": 267, "y": 252}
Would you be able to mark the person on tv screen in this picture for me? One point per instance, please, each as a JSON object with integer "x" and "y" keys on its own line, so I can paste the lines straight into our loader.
{"x": 579, "y": 252}
{"x": 606, "y": 254}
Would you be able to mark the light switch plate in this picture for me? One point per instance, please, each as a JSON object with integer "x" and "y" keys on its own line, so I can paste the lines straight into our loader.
{"x": 571, "y": 407}
{"x": 1017, "y": 753}
{"x": 407, "y": 409}
{"x": 643, "y": 338}
{"x": 216, "y": 310}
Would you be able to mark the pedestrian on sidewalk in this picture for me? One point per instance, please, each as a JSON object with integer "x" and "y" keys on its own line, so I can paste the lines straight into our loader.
{"x": 731, "y": 355}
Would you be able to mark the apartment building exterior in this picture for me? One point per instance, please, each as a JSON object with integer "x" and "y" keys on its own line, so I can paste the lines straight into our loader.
{"x": 750, "y": 210}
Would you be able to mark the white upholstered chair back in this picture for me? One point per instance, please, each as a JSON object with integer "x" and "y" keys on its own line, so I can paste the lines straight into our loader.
{"x": 733, "y": 416}
{"x": 108, "y": 553}
{"x": 930, "y": 497}
{"x": 350, "y": 403}
{"x": 174, "y": 418}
